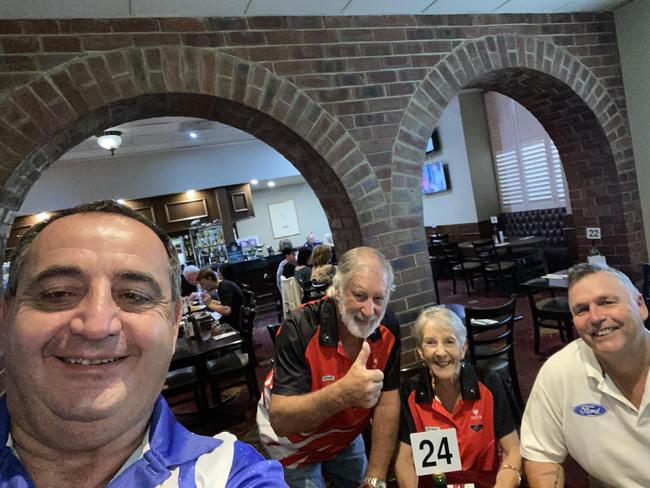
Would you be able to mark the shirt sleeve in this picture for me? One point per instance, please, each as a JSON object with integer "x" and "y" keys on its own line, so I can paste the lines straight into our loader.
{"x": 226, "y": 296}
{"x": 251, "y": 470}
{"x": 391, "y": 372}
{"x": 503, "y": 421}
{"x": 291, "y": 375}
{"x": 542, "y": 437}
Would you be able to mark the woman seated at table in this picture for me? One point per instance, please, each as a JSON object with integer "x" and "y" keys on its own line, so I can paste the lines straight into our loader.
{"x": 449, "y": 394}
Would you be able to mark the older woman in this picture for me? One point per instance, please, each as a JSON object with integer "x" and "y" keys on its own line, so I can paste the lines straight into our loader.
{"x": 449, "y": 394}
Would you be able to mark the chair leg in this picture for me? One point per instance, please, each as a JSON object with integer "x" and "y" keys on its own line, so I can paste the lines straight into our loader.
{"x": 536, "y": 335}
{"x": 561, "y": 329}
{"x": 469, "y": 291}
{"x": 515, "y": 383}
{"x": 435, "y": 288}
{"x": 569, "y": 330}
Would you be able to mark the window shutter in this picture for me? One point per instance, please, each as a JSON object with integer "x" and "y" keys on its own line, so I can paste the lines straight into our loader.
{"x": 528, "y": 167}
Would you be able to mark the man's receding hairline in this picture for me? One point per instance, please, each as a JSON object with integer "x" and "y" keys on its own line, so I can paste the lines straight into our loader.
{"x": 126, "y": 218}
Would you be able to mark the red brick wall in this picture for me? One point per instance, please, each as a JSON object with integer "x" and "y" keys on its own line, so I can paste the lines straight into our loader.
{"x": 349, "y": 100}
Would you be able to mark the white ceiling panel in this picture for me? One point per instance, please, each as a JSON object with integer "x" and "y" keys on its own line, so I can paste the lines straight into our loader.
{"x": 591, "y": 5}
{"x": 59, "y": 9}
{"x": 530, "y": 6}
{"x": 194, "y": 8}
{"x": 296, "y": 7}
{"x": 463, "y": 7}
{"x": 386, "y": 7}
{"x": 35, "y": 9}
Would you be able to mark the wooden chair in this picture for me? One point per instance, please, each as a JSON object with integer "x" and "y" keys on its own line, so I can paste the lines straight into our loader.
{"x": 547, "y": 310}
{"x": 183, "y": 380}
{"x": 237, "y": 367}
{"x": 460, "y": 267}
{"x": 494, "y": 267}
{"x": 490, "y": 337}
{"x": 275, "y": 293}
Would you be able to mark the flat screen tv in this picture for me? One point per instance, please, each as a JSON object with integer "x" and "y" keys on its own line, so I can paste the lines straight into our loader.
{"x": 434, "y": 178}
{"x": 433, "y": 143}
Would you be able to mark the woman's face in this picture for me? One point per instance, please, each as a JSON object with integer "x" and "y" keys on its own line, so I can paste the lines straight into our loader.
{"x": 441, "y": 351}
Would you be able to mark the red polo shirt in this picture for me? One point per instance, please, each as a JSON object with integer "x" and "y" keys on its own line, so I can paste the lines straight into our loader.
{"x": 308, "y": 357}
{"x": 481, "y": 418}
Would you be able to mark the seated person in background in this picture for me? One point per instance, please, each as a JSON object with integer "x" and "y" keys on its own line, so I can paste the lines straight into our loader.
{"x": 449, "y": 394}
{"x": 303, "y": 268}
{"x": 591, "y": 400}
{"x": 284, "y": 243}
{"x": 310, "y": 241}
{"x": 89, "y": 326}
{"x": 289, "y": 257}
{"x": 322, "y": 271}
{"x": 189, "y": 282}
{"x": 336, "y": 367}
{"x": 290, "y": 289}
{"x": 222, "y": 296}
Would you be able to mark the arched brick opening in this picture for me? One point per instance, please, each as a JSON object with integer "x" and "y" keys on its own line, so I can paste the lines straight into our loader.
{"x": 88, "y": 94}
{"x": 585, "y": 119}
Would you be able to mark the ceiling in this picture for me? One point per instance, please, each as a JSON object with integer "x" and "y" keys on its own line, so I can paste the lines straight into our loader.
{"x": 23, "y": 9}
{"x": 162, "y": 134}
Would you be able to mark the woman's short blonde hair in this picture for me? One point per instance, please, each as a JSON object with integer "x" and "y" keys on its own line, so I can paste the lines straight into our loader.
{"x": 439, "y": 316}
{"x": 321, "y": 255}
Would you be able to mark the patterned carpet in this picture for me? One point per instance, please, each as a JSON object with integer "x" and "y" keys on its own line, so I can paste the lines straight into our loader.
{"x": 237, "y": 415}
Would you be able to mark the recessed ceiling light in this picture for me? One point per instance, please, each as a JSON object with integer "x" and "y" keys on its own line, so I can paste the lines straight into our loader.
{"x": 42, "y": 216}
{"x": 193, "y": 135}
{"x": 254, "y": 182}
{"x": 190, "y": 193}
{"x": 271, "y": 184}
{"x": 120, "y": 201}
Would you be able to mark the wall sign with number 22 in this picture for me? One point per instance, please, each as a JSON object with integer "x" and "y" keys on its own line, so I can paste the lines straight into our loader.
{"x": 435, "y": 451}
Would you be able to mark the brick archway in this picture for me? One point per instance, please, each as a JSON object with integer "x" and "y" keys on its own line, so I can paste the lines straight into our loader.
{"x": 88, "y": 94}
{"x": 585, "y": 119}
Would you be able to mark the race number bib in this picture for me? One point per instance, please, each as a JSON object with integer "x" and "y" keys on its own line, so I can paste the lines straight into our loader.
{"x": 435, "y": 451}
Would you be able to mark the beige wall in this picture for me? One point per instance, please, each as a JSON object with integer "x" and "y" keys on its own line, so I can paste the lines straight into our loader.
{"x": 633, "y": 34}
{"x": 479, "y": 154}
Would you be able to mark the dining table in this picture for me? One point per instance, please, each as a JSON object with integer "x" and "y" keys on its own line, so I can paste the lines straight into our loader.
{"x": 509, "y": 242}
{"x": 558, "y": 280}
{"x": 196, "y": 351}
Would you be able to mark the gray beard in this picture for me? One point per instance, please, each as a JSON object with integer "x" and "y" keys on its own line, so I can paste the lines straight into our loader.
{"x": 353, "y": 327}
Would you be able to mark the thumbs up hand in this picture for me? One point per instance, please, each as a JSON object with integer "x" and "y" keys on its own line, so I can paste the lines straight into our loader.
{"x": 361, "y": 387}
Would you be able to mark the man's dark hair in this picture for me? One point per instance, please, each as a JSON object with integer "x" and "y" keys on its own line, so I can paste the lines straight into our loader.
{"x": 303, "y": 256}
{"x": 20, "y": 254}
{"x": 287, "y": 251}
{"x": 227, "y": 272}
{"x": 206, "y": 274}
{"x": 288, "y": 270}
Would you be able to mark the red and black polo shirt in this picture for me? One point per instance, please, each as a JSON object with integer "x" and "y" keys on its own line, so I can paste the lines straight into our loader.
{"x": 481, "y": 418}
{"x": 308, "y": 357}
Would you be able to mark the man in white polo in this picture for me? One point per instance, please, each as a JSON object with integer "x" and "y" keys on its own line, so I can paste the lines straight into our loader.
{"x": 592, "y": 399}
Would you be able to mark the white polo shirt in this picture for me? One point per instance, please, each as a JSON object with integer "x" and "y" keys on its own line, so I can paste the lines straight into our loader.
{"x": 575, "y": 408}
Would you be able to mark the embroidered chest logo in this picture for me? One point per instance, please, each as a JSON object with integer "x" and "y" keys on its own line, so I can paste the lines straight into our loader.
{"x": 328, "y": 377}
{"x": 476, "y": 414}
{"x": 590, "y": 410}
{"x": 476, "y": 427}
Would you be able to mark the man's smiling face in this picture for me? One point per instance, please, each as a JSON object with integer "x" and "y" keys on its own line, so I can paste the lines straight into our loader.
{"x": 92, "y": 328}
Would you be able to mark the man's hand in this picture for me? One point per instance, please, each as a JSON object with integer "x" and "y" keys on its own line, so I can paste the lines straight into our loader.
{"x": 360, "y": 386}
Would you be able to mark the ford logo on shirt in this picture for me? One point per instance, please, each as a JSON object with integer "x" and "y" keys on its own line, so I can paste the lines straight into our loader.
{"x": 590, "y": 410}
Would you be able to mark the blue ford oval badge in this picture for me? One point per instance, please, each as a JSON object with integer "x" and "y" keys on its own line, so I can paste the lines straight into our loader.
{"x": 590, "y": 410}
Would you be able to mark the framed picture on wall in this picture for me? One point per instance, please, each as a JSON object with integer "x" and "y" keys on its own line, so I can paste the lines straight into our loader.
{"x": 284, "y": 220}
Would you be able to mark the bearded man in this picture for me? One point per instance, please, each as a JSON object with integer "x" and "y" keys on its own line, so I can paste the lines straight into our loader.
{"x": 336, "y": 366}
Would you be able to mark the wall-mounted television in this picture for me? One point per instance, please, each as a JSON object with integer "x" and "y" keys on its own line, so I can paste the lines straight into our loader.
{"x": 433, "y": 143}
{"x": 434, "y": 178}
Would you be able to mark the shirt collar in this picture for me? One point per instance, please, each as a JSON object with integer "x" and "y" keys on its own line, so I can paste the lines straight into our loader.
{"x": 469, "y": 388}
{"x": 329, "y": 332}
{"x": 168, "y": 444}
